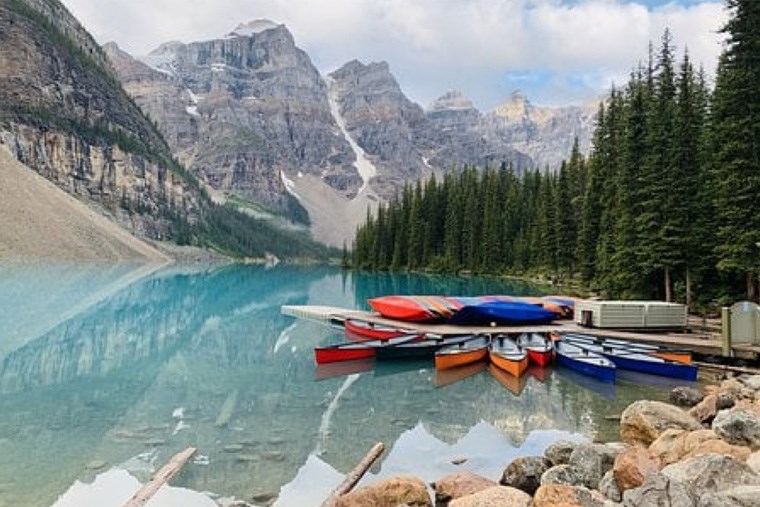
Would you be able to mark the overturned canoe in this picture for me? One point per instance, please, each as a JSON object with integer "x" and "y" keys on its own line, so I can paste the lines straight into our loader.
{"x": 415, "y": 308}
{"x": 507, "y": 313}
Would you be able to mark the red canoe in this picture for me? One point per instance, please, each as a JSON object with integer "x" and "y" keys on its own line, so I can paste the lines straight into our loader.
{"x": 350, "y": 351}
{"x": 540, "y": 348}
{"x": 369, "y": 331}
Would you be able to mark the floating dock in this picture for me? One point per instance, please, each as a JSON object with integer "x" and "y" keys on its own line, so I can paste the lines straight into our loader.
{"x": 704, "y": 343}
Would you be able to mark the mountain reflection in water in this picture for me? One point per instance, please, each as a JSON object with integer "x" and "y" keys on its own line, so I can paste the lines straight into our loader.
{"x": 100, "y": 364}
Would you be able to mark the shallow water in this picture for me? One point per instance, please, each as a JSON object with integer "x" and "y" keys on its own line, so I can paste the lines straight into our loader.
{"x": 108, "y": 370}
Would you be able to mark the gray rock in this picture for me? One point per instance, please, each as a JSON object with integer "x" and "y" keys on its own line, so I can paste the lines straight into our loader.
{"x": 559, "y": 452}
{"x": 644, "y": 421}
{"x": 525, "y": 473}
{"x": 659, "y": 491}
{"x": 742, "y": 496}
{"x": 738, "y": 427}
{"x": 710, "y": 473}
{"x": 685, "y": 396}
{"x": 609, "y": 488}
{"x": 723, "y": 402}
{"x": 593, "y": 461}
{"x": 751, "y": 381}
{"x": 562, "y": 474}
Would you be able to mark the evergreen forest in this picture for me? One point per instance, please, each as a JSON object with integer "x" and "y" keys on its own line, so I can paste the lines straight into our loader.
{"x": 664, "y": 206}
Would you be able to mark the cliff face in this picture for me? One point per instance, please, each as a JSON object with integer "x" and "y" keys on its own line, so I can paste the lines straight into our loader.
{"x": 242, "y": 111}
{"x": 63, "y": 114}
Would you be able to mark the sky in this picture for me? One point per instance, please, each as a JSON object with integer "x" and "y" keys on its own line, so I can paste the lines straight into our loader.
{"x": 558, "y": 52}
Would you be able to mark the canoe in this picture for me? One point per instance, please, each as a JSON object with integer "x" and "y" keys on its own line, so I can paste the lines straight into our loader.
{"x": 555, "y": 308}
{"x": 539, "y": 347}
{"x": 462, "y": 353}
{"x": 675, "y": 355}
{"x": 351, "y": 351}
{"x": 645, "y": 363}
{"x": 582, "y": 360}
{"x": 565, "y": 304}
{"x": 504, "y": 353}
{"x": 414, "y": 308}
{"x": 360, "y": 329}
{"x": 501, "y": 313}
{"x": 419, "y": 349}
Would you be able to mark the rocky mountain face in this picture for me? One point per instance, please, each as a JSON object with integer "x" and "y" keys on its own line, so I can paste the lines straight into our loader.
{"x": 250, "y": 115}
{"x": 64, "y": 114}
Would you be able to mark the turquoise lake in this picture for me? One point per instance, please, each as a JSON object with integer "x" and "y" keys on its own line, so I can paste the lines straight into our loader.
{"x": 106, "y": 371}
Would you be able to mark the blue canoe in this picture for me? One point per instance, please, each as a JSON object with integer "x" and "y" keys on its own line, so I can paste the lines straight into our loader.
{"x": 500, "y": 313}
{"x": 585, "y": 361}
{"x": 644, "y": 363}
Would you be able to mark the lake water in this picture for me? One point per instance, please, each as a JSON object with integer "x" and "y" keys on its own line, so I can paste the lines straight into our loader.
{"x": 106, "y": 371}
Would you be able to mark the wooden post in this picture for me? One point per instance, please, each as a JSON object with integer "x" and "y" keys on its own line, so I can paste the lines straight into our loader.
{"x": 160, "y": 478}
{"x": 725, "y": 321}
{"x": 355, "y": 475}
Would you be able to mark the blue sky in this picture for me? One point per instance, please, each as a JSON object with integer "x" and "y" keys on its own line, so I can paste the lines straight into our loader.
{"x": 557, "y": 51}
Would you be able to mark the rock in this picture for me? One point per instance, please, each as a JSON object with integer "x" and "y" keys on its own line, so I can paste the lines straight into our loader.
{"x": 738, "y": 427}
{"x": 675, "y": 444}
{"x": 559, "y": 453}
{"x": 633, "y": 466}
{"x": 525, "y": 473}
{"x": 593, "y": 461}
{"x": 96, "y": 464}
{"x": 711, "y": 389}
{"x": 458, "y": 461}
{"x": 560, "y": 495}
{"x": 742, "y": 496}
{"x": 643, "y": 421}
{"x": 263, "y": 497}
{"x": 711, "y": 472}
{"x": 685, "y": 396}
{"x": 705, "y": 410}
{"x": 724, "y": 402}
{"x": 496, "y": 496}
{"x": 718, "y": 446}
{"x": 388, "y": 493}
{"x": 459, "y": 484}
{"x": 751, "y": 381}
{"x": 562, "y": 474}
{"x": 753, "y": 461}
{"x": 658, "y": 491}
{"x": 732, "y": 388}
{"x": 609, "y": 487}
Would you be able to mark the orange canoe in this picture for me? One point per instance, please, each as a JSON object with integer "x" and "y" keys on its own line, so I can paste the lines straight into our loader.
{"x": 505, "y": 354}
{"x": 463, "y": 353}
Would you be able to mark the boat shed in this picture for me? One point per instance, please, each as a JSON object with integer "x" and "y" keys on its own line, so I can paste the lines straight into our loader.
{"x": 630, "y": 314}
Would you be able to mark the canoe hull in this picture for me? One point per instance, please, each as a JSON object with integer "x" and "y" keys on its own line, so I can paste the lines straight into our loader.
{"x": 514, "y": 367}
{"x": 668, "y": 369}
{"x": 540, "y": 357}
{"x": 603, "y": 373}
{"x": 327, "y": 355}
{"x": 501, "y": 313}
{"x": 363, "y": 330}
{"x": 445, "y": 361}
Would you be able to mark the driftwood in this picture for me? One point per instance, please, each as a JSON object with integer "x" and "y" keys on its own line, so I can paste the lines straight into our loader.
{"x": 160, "y": 478}
{"x": 355, "y": 474}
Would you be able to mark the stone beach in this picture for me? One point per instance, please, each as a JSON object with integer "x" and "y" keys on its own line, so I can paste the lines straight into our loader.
{"x": 700, "y": 450}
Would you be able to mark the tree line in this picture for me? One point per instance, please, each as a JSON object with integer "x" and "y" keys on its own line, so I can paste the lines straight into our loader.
{"x": 662, "y": 207}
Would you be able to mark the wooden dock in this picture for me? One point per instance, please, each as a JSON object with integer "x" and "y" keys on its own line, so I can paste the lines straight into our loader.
{"x": 700, "y": 342}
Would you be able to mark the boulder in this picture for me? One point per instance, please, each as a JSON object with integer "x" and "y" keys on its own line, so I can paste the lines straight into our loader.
{"x": 753, "y": 461}
{"x": 711, "y": 472}
{"x": 496, "y": 496}
{"x": 738, "y": 427}
{"x": 658, "y": 491}
{"x": 732, "y": 388}
{"x": 592, "y": 461}
{"x": 742, "y": 496}
{"x": 633, "y": 466}
{"x": 562, "y": 495}
{"x": 525, "y": 473}
{"x": 388, "y": 493}
{"x": 643, "y": 421}
{"x": 685, "y": 396}
{"x": 706, "y": 409}
{"x": 459, "y": 484}
{"x": 559, "y": 452}
{"x": 673, "y": 445}
{"x": 751, "y": 381}
{"x": 609, "y": 488}
{"x": 562, "y": 474}
{"x": 718, "y": 446}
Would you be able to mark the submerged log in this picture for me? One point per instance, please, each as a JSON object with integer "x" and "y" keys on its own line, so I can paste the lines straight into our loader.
{"x": 160, "y": 478}
{"x": 355, "y": 475}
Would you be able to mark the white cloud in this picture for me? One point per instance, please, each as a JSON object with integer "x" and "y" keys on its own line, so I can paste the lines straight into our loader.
{"x": 436, "y": 45}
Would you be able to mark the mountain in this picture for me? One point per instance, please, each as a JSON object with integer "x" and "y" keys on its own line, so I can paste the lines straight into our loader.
{"x": 64, "y": 115}
{"x": 250, "y": 115}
